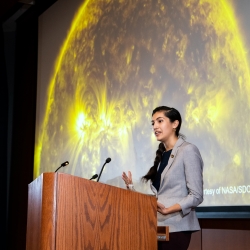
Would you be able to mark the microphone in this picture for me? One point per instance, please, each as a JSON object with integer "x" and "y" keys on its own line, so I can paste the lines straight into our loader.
{"x": 93, "y": 177}
{"x": 107, "y": 161}
{"x": 63, "y": 165}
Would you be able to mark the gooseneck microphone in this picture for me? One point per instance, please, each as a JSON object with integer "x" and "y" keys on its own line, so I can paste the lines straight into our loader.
{"x": 107, "y": 161}
{"x": 93, "y": 177}
{"x": 63, "y": 165}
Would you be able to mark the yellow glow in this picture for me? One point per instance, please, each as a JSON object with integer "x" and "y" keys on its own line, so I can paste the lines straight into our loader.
{"x": 107, "y": 79}
{"x": 214, "y": 106}
{"x": 237, "y": 159}
{"x": 81, "y": 125}
{"x": 39, "y": 145}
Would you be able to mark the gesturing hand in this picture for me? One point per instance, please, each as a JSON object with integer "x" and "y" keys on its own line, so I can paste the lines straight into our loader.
{"x": 127, "y": 178}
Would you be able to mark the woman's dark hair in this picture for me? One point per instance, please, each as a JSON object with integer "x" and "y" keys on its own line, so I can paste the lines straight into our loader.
{"x": 173, "y": 115}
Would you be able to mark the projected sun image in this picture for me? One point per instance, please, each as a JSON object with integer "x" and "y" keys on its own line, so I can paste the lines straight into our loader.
{"x": 120, "y": 60}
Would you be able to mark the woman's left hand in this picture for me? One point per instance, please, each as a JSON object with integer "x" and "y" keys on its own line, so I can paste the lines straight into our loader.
{"x": 161, "y": 208}
{"x": 168, "y": 210}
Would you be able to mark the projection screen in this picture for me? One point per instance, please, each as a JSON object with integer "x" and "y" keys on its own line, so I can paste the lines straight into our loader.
{"x": 103, "y": 66}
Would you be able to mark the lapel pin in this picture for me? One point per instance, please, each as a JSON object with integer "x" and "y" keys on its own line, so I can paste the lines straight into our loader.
{"x": 172, "y": 156}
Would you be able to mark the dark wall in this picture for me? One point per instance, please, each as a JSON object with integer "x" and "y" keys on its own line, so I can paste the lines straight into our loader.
{"x": 18, "y": 69}
{"x": 6, "y": 9}
{"x": 23, "y": 132}
{"x": 3, "y": 140}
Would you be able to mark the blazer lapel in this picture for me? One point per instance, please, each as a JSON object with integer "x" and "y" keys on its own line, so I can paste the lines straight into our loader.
{"x": 172, "y": 157}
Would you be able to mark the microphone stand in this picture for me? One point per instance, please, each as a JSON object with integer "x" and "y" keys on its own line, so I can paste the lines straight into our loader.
{"x": 63, "y": 165}
{"x": 107, "y": 161}
{"x": 58, "y": 168}
{"x": 101, "y": 171}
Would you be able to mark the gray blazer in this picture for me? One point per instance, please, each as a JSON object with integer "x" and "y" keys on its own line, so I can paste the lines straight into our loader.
{"x": 181, "y": 183}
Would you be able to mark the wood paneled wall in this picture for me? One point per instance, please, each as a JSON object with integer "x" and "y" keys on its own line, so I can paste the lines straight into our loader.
{"x": 222, "y": 234}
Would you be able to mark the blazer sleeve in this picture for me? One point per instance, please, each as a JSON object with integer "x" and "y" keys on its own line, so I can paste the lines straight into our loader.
{"x": 193, "y": 167}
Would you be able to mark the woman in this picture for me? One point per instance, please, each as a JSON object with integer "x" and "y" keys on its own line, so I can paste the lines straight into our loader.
{"x": 176, "y": 179}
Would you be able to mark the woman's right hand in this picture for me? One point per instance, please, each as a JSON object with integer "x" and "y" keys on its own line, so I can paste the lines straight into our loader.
{"x": 127, "y": 178}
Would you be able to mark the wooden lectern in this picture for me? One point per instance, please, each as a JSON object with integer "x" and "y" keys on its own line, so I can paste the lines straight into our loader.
{"x": 66, "y": 212}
